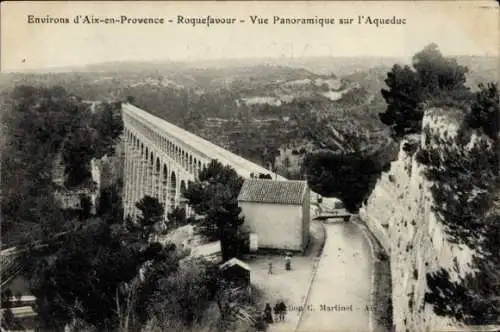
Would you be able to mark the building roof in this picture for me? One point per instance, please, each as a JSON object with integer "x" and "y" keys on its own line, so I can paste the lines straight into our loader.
{"x": 232, "y": 262}
{"x": 205, "y": 250}
{"x": 273, "y": 192}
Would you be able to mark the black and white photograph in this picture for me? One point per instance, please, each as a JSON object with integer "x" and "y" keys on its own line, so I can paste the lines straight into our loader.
{"x": 249, "y": 166}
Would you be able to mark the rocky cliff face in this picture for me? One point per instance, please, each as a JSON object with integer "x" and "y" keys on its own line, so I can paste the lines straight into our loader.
{"x": 399, "y": 213}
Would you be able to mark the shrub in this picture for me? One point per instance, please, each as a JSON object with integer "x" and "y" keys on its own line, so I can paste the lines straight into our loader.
{"x": 382, "y": 256}
{"x": 386, "y": 167}
{"x": 410, "y": 301}
{"x": 410, "y": 147}
{"x": 183, "y": 295}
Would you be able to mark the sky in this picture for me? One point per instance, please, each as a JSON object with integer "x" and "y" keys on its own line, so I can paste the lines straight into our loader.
{"x": 459, "y": 28}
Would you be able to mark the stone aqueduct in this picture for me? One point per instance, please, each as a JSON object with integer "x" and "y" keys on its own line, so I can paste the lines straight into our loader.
{"x": 160, "y": 159}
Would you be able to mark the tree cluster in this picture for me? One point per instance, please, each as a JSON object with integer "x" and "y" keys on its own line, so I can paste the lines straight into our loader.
{"x": 109, "y": 276}
{"x": 215, "y": 196}
{"x": 110, "y": 205}
{"x": 177, "y": 217}
{"x": 39, "y": 124}
{"x": 349, "y": 177}
{"x": 36, "y": 122}
{"x": 432, "y": 78}
{"x": 180, "y": 297}
{"x": 152, "y": 212}
{"x": 94, "y": 136}
{"x": 86, "y": 274}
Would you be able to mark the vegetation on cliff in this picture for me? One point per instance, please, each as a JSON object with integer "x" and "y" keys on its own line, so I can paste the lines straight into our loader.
{"x": 465, "y": 187}
{"x": 463, "y": 170}
{"x": 484, "y": 112}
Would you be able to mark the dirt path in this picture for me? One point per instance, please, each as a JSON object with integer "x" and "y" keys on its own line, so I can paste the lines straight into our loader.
{"x": 341, "y": 293}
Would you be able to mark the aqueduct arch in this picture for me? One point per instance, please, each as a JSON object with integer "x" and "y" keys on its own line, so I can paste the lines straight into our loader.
{"x": 182, "y": 202}
{"x": 161, "y": 158}
{"x": 173, "y": 189}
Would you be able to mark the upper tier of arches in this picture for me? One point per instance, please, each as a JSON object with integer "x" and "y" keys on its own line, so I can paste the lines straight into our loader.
{"x": 148, "y": 133}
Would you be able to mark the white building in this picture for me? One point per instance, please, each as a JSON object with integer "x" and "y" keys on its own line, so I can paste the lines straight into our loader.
{"x": 210, "y": 251}
{"x": 277, "y": 211}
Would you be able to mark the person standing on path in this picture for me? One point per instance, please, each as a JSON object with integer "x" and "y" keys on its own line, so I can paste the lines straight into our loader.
{"x": 277, "y": 313}
{"x": 270, "y": 266}
{"x": 268, "y": 314}
{"x": 288, "y": 262}
{"x": 282, "y": 310}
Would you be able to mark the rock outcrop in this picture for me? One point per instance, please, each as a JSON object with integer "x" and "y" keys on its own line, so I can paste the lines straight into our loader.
{"x": 399, "y": 213}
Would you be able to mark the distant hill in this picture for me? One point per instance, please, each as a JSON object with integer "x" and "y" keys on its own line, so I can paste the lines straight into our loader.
{"x": 342, "y": 66}
{"x": 482, "y": 67}
{"x": 373, "y": 79}
{"x": 317, "y": 65}
{"x": 252, "y": 76}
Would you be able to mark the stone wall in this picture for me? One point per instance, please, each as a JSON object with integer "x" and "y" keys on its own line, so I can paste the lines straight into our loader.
{"x": 399, "y": 213}
{"x": 111, "y": 167}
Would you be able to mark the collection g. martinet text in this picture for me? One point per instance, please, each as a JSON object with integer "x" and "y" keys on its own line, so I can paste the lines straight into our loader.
{"x": 214, "y": 20}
